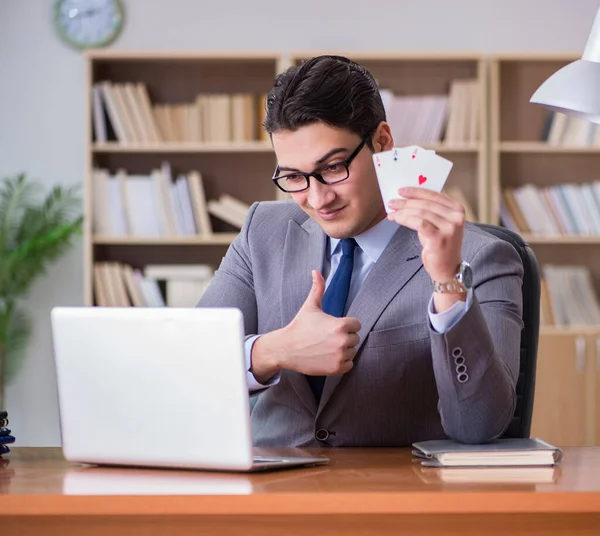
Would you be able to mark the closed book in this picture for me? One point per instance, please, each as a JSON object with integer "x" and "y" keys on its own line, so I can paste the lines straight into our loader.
{"x": 499, "y": 452}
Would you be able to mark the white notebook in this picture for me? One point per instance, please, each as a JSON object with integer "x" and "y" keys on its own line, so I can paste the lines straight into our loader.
{"x": 500, "y": 452}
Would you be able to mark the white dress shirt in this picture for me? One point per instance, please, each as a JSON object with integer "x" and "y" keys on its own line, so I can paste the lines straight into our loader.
{"x": 371, "y": 244}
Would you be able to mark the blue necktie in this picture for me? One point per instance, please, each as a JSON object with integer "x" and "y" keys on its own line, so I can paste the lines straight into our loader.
{"x": 334, "y": 299}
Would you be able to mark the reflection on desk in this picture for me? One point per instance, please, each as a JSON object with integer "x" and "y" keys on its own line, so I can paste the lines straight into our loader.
{"x": 132, "y": 481}
{"x": 525, "y": 476}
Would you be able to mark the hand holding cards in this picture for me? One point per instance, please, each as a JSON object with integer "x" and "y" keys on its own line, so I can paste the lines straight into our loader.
{"x": 409, "y": 166}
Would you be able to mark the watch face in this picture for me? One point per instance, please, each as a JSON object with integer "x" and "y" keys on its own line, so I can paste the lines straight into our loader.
{"x": 88, "y": 23}
{"x": 467, "y": 275}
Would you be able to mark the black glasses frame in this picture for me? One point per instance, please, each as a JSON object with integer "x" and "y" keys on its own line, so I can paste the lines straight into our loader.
{"x": 346, "y": 163}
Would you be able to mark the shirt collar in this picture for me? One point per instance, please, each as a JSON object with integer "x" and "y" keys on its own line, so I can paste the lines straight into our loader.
{"x": 373, "y": 241}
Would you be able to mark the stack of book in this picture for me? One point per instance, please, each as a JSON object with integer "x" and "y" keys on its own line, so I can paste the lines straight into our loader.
{"x": 5, "y": 437}
{"x": 125, "y": 112}
{"x": 453, "y": 118}
{"x": 118, "y": 284}
{"x": 159, "y": 204}
{"x": 560, "y": 129}
{"x": 568, "y": 297}
{"x": 564, "y": 209}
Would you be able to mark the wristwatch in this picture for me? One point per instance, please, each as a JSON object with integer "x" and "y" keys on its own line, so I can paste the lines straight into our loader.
{"x": 461, "y": 283}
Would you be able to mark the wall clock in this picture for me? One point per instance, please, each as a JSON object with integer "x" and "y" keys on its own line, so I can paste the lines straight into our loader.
{"x": 88, "y": 23}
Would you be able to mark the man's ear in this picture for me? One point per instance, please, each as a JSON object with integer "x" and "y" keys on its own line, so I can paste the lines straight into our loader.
{"x": 382, "y": 138}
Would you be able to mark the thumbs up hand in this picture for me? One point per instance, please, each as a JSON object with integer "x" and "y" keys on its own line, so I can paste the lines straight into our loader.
{"x": 313, "y": 343}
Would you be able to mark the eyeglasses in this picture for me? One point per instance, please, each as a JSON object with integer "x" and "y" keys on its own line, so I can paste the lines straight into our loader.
{"x": 329, "y": 174}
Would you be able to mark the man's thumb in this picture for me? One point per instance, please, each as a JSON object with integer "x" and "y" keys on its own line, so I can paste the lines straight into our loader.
{"x": 315, "y": 296}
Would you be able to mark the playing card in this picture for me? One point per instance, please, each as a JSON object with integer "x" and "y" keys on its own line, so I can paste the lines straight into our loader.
{"x": 409, "y": 166}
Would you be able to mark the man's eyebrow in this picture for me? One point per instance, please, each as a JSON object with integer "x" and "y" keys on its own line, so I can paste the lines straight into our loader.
{"x": 320, "y": 160}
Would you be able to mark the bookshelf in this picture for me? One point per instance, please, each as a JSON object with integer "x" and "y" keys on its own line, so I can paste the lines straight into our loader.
{"x": 501, "y": 145}
{"x": 418, "y": 75}
{"x": 241, "y": 168}
{"x": 526, "y": 148}
{"x": 227, "y": 165}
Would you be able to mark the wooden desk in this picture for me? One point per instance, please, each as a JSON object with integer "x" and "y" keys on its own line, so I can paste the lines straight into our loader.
{"x": 379, "y": 491}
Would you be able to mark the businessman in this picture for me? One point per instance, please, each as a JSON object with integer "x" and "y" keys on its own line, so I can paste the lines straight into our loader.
{"x": 363, "y": 328}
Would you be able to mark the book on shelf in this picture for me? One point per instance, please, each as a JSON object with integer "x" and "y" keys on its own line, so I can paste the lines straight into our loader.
{"x": 453, "y": 118}
{"x": 123, "y": 111}
{"x": 561, "y": 129}
{"x": 118, "y": 284}
{"x": 499, "y": 452}
{"x": 567, "y": 296}
{"x": 561, "y": 210}
{"x": 229, "y": 209}
{"x": 158, "y": 205}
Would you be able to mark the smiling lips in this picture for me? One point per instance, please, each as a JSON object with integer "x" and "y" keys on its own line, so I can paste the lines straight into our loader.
{"x": 329, "y": 214}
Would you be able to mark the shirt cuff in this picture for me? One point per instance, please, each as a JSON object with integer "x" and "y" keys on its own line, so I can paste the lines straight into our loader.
{"x": 253, "y": 383}
{"x": 446, "y": 320}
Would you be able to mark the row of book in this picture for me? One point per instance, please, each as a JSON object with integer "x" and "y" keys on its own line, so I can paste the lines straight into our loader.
{"x": 453, "y": 118}
{"x": 568, "y": 297}
{"x": 159, "y": 205}
{"x": 124, "y": 112}
{"x": 118, "y": 284}
{"x": 561, "y": 129}
{"x": 564, "y": 209}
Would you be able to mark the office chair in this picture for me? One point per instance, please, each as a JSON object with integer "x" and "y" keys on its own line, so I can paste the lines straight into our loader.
{"x": 520, "y": 425}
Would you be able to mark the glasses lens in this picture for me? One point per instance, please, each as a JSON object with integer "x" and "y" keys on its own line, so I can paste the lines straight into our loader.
{"x": 292, "y": 183}
{"x": 334, "y": 173}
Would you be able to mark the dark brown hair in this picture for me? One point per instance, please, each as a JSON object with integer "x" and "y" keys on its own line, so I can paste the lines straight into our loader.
{"x": 328, "y": 89}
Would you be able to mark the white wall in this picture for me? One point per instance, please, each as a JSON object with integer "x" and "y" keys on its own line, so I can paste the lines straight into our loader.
{"x": 41, "y": 98}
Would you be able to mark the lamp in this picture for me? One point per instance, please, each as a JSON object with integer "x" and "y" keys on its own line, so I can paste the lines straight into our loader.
{"x": 575, "y": 89}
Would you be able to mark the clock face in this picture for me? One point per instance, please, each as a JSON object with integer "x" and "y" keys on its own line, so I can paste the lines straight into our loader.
{"x": 88, "y": 23}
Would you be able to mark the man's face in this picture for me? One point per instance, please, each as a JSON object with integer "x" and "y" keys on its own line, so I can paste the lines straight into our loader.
{"x": 349, "y": 207}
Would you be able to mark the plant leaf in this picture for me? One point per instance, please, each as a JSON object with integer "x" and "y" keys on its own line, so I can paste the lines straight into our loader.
{"x": 19, "y": 333}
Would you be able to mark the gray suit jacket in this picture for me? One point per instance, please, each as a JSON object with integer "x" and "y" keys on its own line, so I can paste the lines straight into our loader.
{"x": 404, "y": 386}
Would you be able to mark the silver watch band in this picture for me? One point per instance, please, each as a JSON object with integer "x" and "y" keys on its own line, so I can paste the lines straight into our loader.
{"x": 449, "y": 287}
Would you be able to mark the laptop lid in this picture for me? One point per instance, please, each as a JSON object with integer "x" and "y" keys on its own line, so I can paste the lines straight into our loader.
{"x": 153, "y": 386}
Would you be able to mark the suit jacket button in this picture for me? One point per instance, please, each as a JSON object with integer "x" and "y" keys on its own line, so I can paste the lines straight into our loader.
{"x": 322, "y": 434}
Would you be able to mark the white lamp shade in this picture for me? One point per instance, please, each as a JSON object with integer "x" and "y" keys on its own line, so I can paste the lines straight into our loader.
{"x": 573, "y": 90}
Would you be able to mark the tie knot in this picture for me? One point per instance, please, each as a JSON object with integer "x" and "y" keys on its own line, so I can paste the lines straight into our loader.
{"x": 348, "y": 245}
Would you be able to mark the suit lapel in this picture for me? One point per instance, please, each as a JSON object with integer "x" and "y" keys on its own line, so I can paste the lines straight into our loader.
{"x": 304, "y": 251}
{"x": 398, "y": 263}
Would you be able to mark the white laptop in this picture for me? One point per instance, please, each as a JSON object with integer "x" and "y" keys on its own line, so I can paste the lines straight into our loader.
{"x": 156, "y": 387}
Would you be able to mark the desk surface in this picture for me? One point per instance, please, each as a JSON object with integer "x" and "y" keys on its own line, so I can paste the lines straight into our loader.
{"x": 37, "y": 481}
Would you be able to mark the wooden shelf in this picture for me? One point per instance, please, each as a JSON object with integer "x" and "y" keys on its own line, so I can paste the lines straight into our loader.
{"x": 182, "y": 147}
{"x": 453, "y": 148}
{"x": 246, "y": 147}
{"x": 543, "y": 147}
{"x": 215, "y": 240}
{"x": 154, "y": 55}
{"x": 562, "y": 240}
{"x": 569, "y": 330}
{"x": 404, "y": 56}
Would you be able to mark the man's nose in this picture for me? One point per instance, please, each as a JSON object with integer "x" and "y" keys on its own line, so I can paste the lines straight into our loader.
{"x": 319, "y": 195}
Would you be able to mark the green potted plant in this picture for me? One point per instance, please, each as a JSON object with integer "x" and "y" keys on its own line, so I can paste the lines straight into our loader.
{"x": 35, "y": 229}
